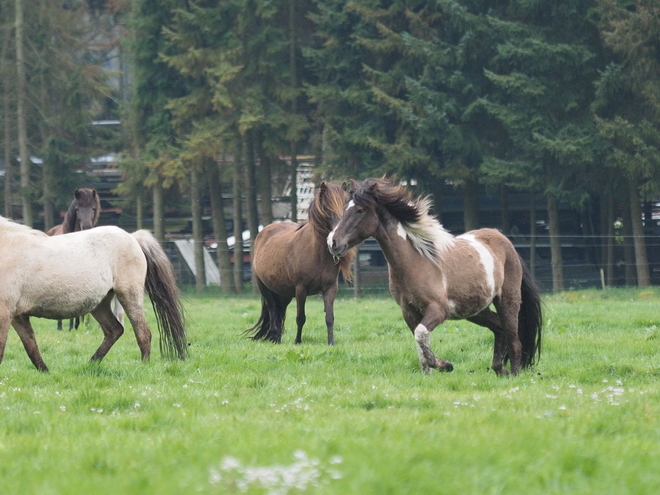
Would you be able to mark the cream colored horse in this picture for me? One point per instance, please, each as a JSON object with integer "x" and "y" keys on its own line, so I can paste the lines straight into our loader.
{"x": 71, "y": 275}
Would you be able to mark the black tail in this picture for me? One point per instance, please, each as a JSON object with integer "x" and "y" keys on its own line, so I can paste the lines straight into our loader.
{"x": 265, "y": 329}
{"x": 530, "y": 319}
{"x": 164, "y": 294}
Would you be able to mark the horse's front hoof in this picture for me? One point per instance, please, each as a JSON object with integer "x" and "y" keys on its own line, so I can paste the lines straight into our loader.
{"x": 442, "y": 365}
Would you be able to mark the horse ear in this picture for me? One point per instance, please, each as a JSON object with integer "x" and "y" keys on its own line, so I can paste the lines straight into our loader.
{"x": 93, "y": 193}
{"x": 354, "y": 185}
{"x": 323, "y": 186}
{"x": 77, "y": 193}
{"x": 344, "y": 186}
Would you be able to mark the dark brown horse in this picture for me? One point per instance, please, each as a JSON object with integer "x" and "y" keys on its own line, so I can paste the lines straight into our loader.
{"x": 292, "y": 260}
{"x": 83, "y": 214}
{"x": 435, "y": 276}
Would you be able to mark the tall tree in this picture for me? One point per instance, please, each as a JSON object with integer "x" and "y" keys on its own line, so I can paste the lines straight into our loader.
{"x": 628, "y": 107}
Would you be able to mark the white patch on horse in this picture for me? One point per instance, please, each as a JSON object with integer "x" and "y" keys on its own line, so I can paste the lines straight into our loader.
{"x": 330, "y": 236}
{"x": 422, "y": 340}
{"x": 427, "y": 234}
{"x": 486, "y": 258}
{"x": 350, "y": 205}
{"x": 452, "y": 306}
{"x": 401, "y": 231}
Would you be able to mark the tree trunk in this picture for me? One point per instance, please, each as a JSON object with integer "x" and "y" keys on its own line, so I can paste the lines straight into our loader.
{"x": 238, "y": 228}
{"x": 158, "y": 212}
{"x": 357, "y": 282}
{"x": 641, "y": 260}
{"x": 265, "y": 186}
{"x": 47, "y": 196}
{"x": 471, "y": 205}
{"x": 607, "y": 229}
{"x": 628, "y": 243}
{"x": 197, "y": 230}
{"x": 506, "y": 217}
{"x": 9, "y": 162}
{"x": 555, "y": 245}
{"x": 293, "y": 70}
{"x": 220, "y": 229}
{"x": 21, "y": 113}
{"x": 251, "y": 196}
{"x": 139, "y": 208}
{"x": 532, "y": 234}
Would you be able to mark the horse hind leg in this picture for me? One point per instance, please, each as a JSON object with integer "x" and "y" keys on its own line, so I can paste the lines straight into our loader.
{"x": 491, "y": 320}
{"x": 26, "y": 333}
{"x": 133, "y": 304}
{"x": 110, "y": 327}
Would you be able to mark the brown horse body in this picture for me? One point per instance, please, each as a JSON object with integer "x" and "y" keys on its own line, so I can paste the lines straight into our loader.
{"x": 435, "y": 276}
{"x": 292, "y": 260}
{"x": 83, "y": 214}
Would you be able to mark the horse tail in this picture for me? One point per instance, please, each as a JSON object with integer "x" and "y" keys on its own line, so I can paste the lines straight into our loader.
{"x": 530, "y": 319}
{"x": 260, "y": 330}
{"x": 165, "y": 297}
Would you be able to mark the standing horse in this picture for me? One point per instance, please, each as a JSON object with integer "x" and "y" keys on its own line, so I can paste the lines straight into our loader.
{"x": 39, "y": 280}
{"x": 435, "y": 276}
{"x": 83, "y": 214}
{"x": 292, "y": 260}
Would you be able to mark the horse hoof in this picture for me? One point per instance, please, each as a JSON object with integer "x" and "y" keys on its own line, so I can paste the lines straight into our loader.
{"x": 442, "y": 365}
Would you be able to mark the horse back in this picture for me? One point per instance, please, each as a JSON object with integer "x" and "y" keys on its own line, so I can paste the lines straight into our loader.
{"x": 288, "y": 254}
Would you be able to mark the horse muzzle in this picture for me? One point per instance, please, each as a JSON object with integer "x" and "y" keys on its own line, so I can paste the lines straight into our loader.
{"x": 336, "y": 249}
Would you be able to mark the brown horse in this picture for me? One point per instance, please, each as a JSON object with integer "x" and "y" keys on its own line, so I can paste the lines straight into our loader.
{"x": 435, "y": 276}
{"x": 292, "y": 260}
{"x": 83, "y": 214}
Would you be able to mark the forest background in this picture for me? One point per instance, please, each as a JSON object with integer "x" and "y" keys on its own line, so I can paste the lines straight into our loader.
{"x": 218, "y": 98}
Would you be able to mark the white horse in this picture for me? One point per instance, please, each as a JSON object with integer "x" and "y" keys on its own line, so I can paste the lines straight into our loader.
{"x": 71, "y": 275}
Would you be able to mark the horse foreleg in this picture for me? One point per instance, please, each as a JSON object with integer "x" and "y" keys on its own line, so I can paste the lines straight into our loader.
{"x": 328, "y": 307}
{"x": 111, "y": 328}
{"x": 431, "y": 319}
{"x": 5, "y": 321}
{"x": 301, "y": 318}
{"x": 491, "y": 320}
{"x": 26, "y": 333}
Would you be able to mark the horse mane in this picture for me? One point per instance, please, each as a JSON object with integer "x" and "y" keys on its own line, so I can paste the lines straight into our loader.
{"x": 424, "y": 230}
{"x": 82, "y": 197}
{"x": 326, "y": 209}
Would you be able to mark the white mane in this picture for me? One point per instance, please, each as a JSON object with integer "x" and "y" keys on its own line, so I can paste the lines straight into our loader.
{"x": 427, "y": 235}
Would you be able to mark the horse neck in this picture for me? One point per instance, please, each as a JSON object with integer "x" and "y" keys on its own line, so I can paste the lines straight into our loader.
{"x": 397, "y": 249}
{"x": 70, "y": 222}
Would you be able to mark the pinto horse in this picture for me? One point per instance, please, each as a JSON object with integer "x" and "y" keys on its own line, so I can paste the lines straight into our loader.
{"x": 292, "y": 260}
{"x": 83, "y": 214}
{"x": 39, "y": 280}
{"x": 435, "y": 276}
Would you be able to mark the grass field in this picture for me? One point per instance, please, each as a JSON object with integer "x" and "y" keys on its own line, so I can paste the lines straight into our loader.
{"x": 251, "y": 417}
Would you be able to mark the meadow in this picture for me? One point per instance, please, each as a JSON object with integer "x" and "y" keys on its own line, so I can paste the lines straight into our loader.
{"x": 251, "y": 417}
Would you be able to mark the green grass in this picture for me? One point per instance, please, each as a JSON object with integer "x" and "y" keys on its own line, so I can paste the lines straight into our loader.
{"x": 359, "y": 417}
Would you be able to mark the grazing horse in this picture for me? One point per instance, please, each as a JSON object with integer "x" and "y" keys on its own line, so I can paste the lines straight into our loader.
{"x": 83, "y": 214}
{"x": 292, "y": 260}
{"x": 38, "y": 279}
{"x": 435, "y": 276}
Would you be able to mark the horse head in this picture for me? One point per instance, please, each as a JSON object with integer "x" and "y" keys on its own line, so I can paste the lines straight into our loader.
{"x": 359, "y": 220}
{"x": 87, "y": 208}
